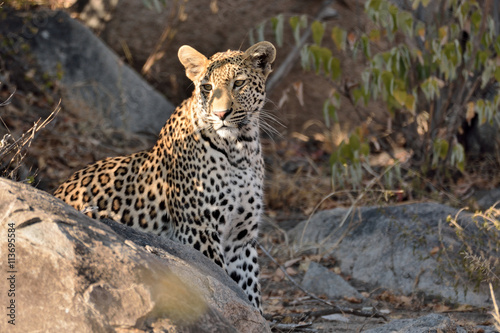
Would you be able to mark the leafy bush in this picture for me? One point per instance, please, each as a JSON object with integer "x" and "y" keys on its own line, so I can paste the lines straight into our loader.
{"x": 434, "y": 78}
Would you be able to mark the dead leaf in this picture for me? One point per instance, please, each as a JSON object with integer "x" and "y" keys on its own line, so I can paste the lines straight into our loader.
{"x": 299, "y": 91}
{"x": 283, "y": 99}
{"x": 470, "y": 112}
{"x": 441, "y": 308}
{"x": 434, "y": 250}
{"x": 354, "y": 300}
{"x": 351, "y": 39}
{"x": 291, "y": 271}
{"x": 291, "y": 262}
{"x": 278, "y": 275}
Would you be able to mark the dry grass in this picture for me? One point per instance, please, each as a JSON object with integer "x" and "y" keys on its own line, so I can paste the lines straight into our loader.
{"x": 13, "y": 150}
{"x": 495, "y": 312}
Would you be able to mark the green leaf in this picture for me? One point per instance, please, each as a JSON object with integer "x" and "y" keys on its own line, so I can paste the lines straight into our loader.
{"x": 260, "y": 31}
{"x": 277, "y": 24}
{"x": 405, "y": 22}
{"x": 457, "y": 157}
{"x": 326, "y": 112}
{"x": 318, "y": 30}
{"x": 431, "y": 87}
{"x": 400, "y": 97}
{"x": 365, "y": 149}
{"x": 388, "y": 81}
{"x": 321, "y": 55}
{"x": 373, "y": 4}
{"x": 332, "y": 112}
{"x": 374, "y": 35}
{"x": 297, "y": 23}
{"x": 346, "y": 153}
{"x": 410, "y": 103}
{"x": 480, "y": 108}
{"x": 482, "y": 57}
{"x": 441, "y": 148}
{"x": 251, "y": 37}
{"x": 294, "y": 22}
{"x": 334, "y": 157}
{"x": 476, "y": 19}
{"x": 444, "y": 149}
{"x": 305, "y": 57}
{"x": 365, "y": 44}
{"x": 357, "y": 94}
{"x": 354, "y": 142}
{"x": 497, "y": 74}
{"x": 415, "y": 3}
{"x": 334, "y": 68}
{"x": 443, "y": 33}
{"x": 339, "y": 37}
{"x": 330, "y": 107}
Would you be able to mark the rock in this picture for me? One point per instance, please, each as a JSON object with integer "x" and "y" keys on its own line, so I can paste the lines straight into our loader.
{"x": 75, "y": 274}
{"x": 429, "y": 323}
{"x": 488, "y": 198}
{"x": 92, "y": 78}
{"x": 319, "y": 280}
{"x": 396, "y": 248}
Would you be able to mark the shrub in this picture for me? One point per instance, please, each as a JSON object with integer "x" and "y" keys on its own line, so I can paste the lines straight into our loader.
{"x": 434, "y": 78}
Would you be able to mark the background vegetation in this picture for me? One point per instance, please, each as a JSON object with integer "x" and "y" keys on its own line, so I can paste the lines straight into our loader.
{"x": 437, "y": 79}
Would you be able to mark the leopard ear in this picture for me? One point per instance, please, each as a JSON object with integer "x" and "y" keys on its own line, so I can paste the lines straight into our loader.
{"x": 193, "y": 61}
{"x": 261, "y": 55}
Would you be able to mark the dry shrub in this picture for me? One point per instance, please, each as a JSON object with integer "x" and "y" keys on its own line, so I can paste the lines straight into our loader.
{"x": 13, "y": 150}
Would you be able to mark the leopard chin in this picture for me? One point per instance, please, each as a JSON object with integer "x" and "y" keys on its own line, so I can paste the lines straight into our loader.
{"x": 228, "y": 133}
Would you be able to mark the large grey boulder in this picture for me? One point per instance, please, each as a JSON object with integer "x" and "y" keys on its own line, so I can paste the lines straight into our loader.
{"x": 71, "y": 273}
{"x": 94, "y": 81}
{"x": 398, "y": 248}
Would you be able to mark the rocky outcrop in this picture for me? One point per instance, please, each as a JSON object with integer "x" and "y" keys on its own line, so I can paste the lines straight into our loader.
{"x": 70, "y": 273}
{"x": 91, "y": 76}
{"x": 406, "y": 248}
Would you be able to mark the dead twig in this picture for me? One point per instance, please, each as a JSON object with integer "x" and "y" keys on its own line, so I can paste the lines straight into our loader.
{"x": 8, "y": 100}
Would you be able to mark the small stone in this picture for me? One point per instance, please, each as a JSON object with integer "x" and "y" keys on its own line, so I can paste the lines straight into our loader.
{"x": 318, "y": 279}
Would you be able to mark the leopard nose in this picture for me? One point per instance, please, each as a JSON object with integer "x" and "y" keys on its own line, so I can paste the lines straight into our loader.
{"x": 222, "y": 114}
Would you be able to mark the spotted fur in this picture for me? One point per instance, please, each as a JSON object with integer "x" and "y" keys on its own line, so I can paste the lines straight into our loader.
{"x": 201, "y": 184}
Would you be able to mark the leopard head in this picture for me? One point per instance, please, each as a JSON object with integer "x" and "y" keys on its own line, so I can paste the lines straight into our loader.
{"x": 229, "y": 87}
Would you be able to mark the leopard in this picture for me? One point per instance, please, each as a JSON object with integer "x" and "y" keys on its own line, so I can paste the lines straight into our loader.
{"x": 201, "y": 184}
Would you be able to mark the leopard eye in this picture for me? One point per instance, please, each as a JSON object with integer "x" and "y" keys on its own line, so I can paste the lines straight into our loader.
{"x": 239, "y": 83}
{"x": 206, "y": 87}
